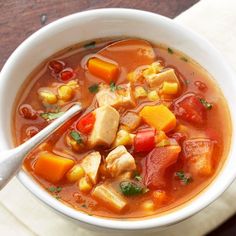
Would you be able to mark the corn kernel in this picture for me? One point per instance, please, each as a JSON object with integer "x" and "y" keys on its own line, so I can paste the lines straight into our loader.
{"x": 65, "y": 93}
{"x": 73, "y": 84}
{"x": 84, "y": 185}
{"x": 163, "y": 143}
{"x": 160, "y": 136}
{"x": 157, "y": 67}
{"x": 149, "y": 71}
{"x": 153, "y": 96}
{"x": 48, "y": 97}
{"x": 148, "y": 205}
{"x": 169, "y": 88}
{"x": 140, "y": 92}
{"x": 123, "y": 138}
{"x": 75, "y": 173}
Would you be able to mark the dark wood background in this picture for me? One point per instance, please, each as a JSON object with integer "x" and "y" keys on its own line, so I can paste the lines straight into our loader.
{"x": 20, "y": 18}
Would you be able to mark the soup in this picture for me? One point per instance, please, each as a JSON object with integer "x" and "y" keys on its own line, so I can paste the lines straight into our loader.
{"x": 153, "y": 132}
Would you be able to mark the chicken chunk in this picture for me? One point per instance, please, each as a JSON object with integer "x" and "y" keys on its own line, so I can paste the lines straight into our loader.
{"x": 105, "y": 126}
{"x": 119, "y": 161}
{"x": 108, "y": 195}
{"x": 91, "y": 165}
{"x": 155, "y": 80}
{"x": 199, "y": 153}
{"x": 118, "y": 98}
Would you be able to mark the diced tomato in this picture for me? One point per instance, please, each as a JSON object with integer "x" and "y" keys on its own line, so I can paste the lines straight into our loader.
{"x": 56, "y": 66}
{"x": 189, "y": 108}
{"x": 67, "y": 74}
{"x": 86, "y": 123}
{"x": 28, "y": 112}
{"x": 144, "y": 140}
{"x": 156, "y": 164}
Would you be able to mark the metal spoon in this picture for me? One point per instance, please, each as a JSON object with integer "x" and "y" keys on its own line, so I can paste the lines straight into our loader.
{"x": 11, "y": 160}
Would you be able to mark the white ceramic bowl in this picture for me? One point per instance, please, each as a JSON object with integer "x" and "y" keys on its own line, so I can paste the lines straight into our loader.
{"x": 108, "y": 23}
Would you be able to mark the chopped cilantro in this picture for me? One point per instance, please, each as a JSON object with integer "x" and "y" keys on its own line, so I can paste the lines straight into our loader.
{"x": 184, "y": 59}
{"x": 51, "y": 115}
{"x": 130, "y": 188}
{"x": 93, "y": 88}
{"x": 76, "y": 136}
{"x": 170, "y": 50}
{"x": 183, "y": 177}
{"x": 114, "y": 87}
{"x": 90, "y": 45}
{"x": 53, "y": 189}
{"x": 206, "y": 104}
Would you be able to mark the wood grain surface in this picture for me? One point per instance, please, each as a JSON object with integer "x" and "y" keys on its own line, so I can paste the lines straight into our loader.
{"x": 20, "y": 18}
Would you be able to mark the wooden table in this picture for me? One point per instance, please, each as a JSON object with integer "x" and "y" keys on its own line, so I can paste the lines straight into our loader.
{"x": 20, "y": 18}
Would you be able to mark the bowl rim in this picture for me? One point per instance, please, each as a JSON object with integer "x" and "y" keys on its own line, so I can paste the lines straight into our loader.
{"x": 110, "y": 223}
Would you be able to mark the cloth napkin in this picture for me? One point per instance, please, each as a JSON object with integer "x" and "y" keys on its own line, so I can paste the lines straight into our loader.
{"x": 22, "y": 214}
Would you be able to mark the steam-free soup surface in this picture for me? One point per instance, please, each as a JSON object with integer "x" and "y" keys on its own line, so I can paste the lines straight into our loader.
{"x": 153, "y": 133}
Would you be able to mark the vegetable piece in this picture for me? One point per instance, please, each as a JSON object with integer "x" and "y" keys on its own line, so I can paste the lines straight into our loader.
{"x": 140, "y": 92}
{"x": 130, "y": 188}
{"x": 119, "y": 161}
{"x": 159, "y": 197}
{"x": 84, "y": 185}
{"x": 47, "y": 97}
{"x": 103, "y": 69}
{"x": 93, "y": 88}
{"x": 130, "y": 121}
{"x": 190, "y": 109}
{"x": 148, "y": 206}
{"x": 160, "y": 135}
{"x": 51, "y": 115}
{"x": 53, "y": 189}
{"x": 105, "y": 126}
{"x": 56, "y": 66}
{"x": 75, "y": 173}
{"x": 185, "y": 178}
{"x": 65, "y": 93}
{"x": 91, "y": 164}
{"x": 206, "y": 104}
{"x": 169, "y": 88}
{"x": 52, "y": 167}
{"x": 106, "y": 194}
{"x": 28, "y": 112}
{"x": 123, "y": 138}
{"x": 153, "y": 95}
{"x": 86, "y": 123}
{"x": 76, "y": 136}
{"x": 144, "y": 140}
{"x": 114, "y": 87}
{"x": 159, "y": 117}
{"x": 156, "y": 80}
{"x": 199, "y": 153}
{"x": 170, "y": 50}
{"x": 156, "y": 164}
{"x": 67, "y": 74}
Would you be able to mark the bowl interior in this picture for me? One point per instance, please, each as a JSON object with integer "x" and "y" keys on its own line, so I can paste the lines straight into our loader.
{"x": 114, "y": 23}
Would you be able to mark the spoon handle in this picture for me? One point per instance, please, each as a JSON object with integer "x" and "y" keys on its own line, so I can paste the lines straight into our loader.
{"x": 11, "y": 160}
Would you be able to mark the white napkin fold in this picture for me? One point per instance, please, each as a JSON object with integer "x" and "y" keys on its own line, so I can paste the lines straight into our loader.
{"x": 22, "y": 214}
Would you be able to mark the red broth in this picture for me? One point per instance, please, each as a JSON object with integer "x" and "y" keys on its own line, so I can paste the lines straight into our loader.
{"x": 163, "y": 162}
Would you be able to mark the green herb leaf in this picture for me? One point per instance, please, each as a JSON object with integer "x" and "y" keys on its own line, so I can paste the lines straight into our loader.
{"x": 182, "y": 176}
{"x": 90, "y": 45}
{"x": 53, "y": 189}
{"x": 94, "y": 88}
{"x": 130, "y": 188}
{"x": 170, "y": 50}
{"x": 206, "y": 104}
{"x": 76, "y": 136}
{"x": 184, "y": 59}
{"x": 51, "y": 115}
{"x": 114, "y": 87}
{"x": 137, "y": 176}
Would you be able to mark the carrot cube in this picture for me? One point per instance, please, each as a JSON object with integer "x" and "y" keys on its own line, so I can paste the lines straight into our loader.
{"x": 159, "y": 117}
{"x": 52, "y": 167}
{"x": 105, "y": 70}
